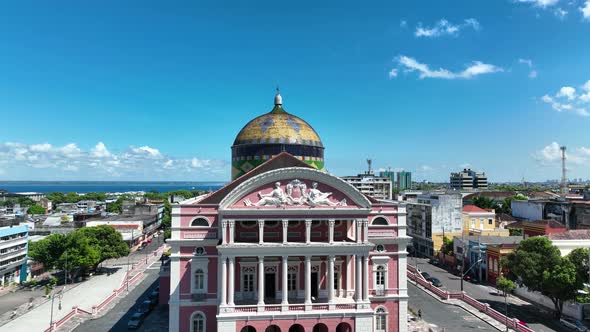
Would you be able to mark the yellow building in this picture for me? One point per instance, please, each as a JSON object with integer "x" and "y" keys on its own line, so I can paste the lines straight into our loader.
{"x": 478, "y": 221}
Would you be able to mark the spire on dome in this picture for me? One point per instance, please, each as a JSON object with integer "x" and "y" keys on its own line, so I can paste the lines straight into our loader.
{"x": 278, "y": 98}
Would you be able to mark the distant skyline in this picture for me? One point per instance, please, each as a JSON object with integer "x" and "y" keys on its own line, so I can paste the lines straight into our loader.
{"x": 153, "y": 91}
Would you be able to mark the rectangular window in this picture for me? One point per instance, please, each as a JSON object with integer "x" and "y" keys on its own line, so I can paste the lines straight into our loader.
{"x": 472, "y": 222}
{"x": 490, "y": 222}
{"x": 336, "y": 278}
{"x": 248, "y": 280}
{"x": 292, "y": 281}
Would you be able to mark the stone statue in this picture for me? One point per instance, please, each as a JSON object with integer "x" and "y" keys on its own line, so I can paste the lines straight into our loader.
{"x": 317, "y": 198}
{"x": 276, "y": 197}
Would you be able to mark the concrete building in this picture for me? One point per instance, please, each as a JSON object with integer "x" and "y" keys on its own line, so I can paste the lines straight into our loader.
{"x": 570, "y": 240}
{"x": 287, "y": 247}
{"x": 404, "y": 180}
{"x": 468, "y": 180}
{"x": 494, "y": 255}
{"x": 432, "y": 217}
{"x": 473, "y": 248}
{"x": 573, "y": 214}
{"x": 13, "y": 254}
{"x": 478, "y": 221}
{"x": 379, "y": 187}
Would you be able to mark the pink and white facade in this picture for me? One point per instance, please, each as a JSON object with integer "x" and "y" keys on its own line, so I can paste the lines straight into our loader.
{"x": 288, "y": 248}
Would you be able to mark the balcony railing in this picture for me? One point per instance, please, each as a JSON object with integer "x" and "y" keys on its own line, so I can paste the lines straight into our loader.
{"x": 292, "y": 307}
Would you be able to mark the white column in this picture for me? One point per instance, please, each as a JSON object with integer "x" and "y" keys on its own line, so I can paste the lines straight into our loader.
{"x": 331, "y": 279}
{"x": 223, "y": 232}
{"x": 358, "y": 286}
{"x": 231, "y": 281}
{"x": 307, "y": 279}
{"x": 223, "y": 302}
{"x": 331, "y": 231}
{"x": 285, "y": 272}
{"x": 260, "y": 231}
{"x": 366, "y": 279}
{"x": 232, "y": 224}
{"x": 365, "y": 230}
{"x": 357, "y": 222}
{"x": 308, "y": 231}
{"x": 285, "y": 228}
{"x": 260, "y": 280}
{"x": 348, "y": 285}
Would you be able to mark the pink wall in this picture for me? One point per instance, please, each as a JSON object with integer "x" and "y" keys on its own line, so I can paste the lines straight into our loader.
{"x": 209, "y": 311}
{"x": 164, "y": 295}
{"x": 284, "y": 325}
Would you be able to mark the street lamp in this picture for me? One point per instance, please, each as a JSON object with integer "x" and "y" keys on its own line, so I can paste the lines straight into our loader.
{"x": 59, "y": 296}
{"x": 463, "y": 274}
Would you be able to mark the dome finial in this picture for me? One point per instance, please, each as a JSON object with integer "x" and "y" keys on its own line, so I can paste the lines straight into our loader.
{"x": 278, "y": 98}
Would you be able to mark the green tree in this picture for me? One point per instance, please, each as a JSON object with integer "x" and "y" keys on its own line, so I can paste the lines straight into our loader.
{"x": 106, "y": 241}
{"x": 447, "y": 246}
{"x": 579, "y": 257}
{"x": 117, "y": 206}
{"x": 72, "y": 198}
{"x": 506, "y": 286}
{"x": 485, "y": 202}
{"x": 48, "y": 250}
{"x": 79, "y": 255}
{"x": 25, "y": 201}
{"x": 539, "y": 266}
{"x": 56, "y": 197}
{"x": 36, "y": 209}
{"x": 515, "y": 231}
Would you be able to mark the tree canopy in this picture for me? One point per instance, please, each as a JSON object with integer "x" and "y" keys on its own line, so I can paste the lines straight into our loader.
{"x": 79, "y": 251}
{"x": 36, "y": 209}
{"x": 538, "y": 265}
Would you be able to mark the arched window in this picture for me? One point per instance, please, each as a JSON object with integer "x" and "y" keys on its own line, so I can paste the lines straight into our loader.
{"x": 200, "y": 222}
{"x": 380, "y": 320}
{"x": 380, "y": 221}
{"x": 198, "y": 322}
{"x": 199, "y": 280}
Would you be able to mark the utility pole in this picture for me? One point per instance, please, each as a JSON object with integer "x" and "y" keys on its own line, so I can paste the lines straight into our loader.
{"x": 128, "y": 257}
{"x": 563, "y": 170}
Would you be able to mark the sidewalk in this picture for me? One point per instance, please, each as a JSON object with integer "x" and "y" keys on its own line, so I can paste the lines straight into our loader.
{"x": 489, "y": 320}
{"x": 85, "y": 296}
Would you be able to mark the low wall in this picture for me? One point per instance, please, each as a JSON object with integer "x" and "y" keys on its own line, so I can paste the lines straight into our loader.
{"x": 571, "y": 309}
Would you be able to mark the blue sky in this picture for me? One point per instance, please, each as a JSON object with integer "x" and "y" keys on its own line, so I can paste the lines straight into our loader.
{"x": 158, "y": 90}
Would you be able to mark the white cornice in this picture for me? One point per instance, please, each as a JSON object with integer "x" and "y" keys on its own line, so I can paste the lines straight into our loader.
{"x": 302, "y": 173}
{"x": 294, "y": 212}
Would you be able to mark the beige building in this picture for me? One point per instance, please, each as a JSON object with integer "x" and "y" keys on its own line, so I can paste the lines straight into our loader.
{"x": 478, "y": 221}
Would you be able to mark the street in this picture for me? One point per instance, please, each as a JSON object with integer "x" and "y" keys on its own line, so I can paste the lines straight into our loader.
{"x": 538, "y": 318}
{"x": 116, "y": 318}
{"x": 451, "y": 317}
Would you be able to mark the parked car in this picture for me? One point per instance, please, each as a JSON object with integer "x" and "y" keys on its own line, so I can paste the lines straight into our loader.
{"x": 135, "y": 320}
{"x": 522, "y": 323}
{"x": 145, "y": 307}
{"x": 434, "y": 261}
{"x": 149, "y": 240}
{"x": 154, "y": 297}
{"x": 435, "y": 282}
{"x": 573, "y": 325}
{"x": 425, "y": 275}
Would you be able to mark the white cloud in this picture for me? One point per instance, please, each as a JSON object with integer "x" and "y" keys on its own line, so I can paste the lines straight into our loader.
{"x": 100, "y": 151}
{"x": 540, "y": 3}
{"x": 445, "y": 28}
{"x": 475, "y": 69}
{"x": 586, "y": 10}
{"x": 426, "y": 168}
{"x": 568, "y": 92}
{"x": 70, "y": 150}
{"x": 147, "y": 151}
{"x": 560, "y": 13}
{"x": 533, "y": 74}
{"x": 393, "y": 73}
{"x": 47, "y": 162}
{"x": 551, "y": 155}
{"x": 403, "y": 23}
{"x": 567, "y": 99}
{"x": 41, "y": 147}
{"x": 529, "y": 63}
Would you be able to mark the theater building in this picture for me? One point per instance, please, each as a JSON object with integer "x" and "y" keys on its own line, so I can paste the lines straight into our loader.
{"x": 286, "y": 246}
